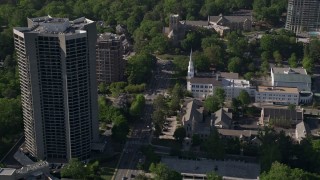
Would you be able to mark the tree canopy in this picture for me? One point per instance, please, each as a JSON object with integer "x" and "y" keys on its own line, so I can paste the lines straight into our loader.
{"x": 163, "y": 172}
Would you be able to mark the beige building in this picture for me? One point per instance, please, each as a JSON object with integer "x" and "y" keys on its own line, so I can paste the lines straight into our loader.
{"x": 56, "y": 60}
{"x": 277, "y": 95}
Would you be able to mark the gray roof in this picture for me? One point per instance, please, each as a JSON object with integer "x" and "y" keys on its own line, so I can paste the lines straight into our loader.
{"x": 278, "y": 113}
{"x": 302, "y": 130}
{"x": 277, "y": 70}
{"x": 229, "y": 75}
{"x": 197, "y": 23}
{"x": 238, "y": 133}
{"x": 222, "y": 117}
{"x": 204, "y": 80}
{"x": 232, "y": 19}
{"x": 51, "y": 25}
{"x": 292, "y": 78}
{"x": 194, "y": 111}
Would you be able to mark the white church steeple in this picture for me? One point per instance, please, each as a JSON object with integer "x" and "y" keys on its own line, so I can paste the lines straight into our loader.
{"x": 190, "y": 67}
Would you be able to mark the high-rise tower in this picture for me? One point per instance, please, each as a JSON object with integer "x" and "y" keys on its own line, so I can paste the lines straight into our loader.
{"x": 110, "y": 62}
{"x": 303, "y": 15}
{"x": 56, "y": 59}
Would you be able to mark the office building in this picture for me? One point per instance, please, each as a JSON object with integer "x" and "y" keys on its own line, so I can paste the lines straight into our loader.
{"x": 56, "y": 60}
{"x": 109, "y": 57}
{"x": 303, "y": 16}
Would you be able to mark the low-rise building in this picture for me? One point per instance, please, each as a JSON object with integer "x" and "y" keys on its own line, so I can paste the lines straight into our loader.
{"x": 193, "y": 119}
{"x": 202, "y": 87}
{"x": 246, "y": 135}
{"x": 291, "y": 77}
{"x": 233, "y": 87}
{"x": 280, "y": 117}
{"x": 277, "y": 95}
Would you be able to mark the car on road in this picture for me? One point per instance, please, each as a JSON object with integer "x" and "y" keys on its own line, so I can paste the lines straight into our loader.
{"x": 124, "y": 178}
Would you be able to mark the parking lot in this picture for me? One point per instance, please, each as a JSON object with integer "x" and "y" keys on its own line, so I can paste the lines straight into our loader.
{"x": 169, "y": 128}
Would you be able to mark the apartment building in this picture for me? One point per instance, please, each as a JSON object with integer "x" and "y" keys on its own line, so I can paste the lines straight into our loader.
{"x": 109, "y": 56}
{"x": 303, "y": 16}
{"x": 56, "y": 60}
{"x": 277, "y": 95}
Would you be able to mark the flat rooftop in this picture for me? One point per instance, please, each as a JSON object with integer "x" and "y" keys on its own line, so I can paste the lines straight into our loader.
{"x": 236, "y": 169}
{"x": 108, "y": 37}
{"x": 270, "y": 89}
{"x": 277, "y": 70}
{"x": 51, "y": 25}
{"x": 6, "y": 171}
{"x": 236, "y": 83}
{"x": 204, "y": 80}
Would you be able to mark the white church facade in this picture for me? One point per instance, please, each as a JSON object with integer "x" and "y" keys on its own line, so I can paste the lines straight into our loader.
{"x": 201, "y": 87}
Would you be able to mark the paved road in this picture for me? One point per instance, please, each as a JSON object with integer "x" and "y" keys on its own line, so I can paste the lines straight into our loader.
{"x": 141, "y": 134}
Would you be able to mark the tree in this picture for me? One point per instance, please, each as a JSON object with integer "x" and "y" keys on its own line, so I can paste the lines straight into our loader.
{"x": 214, "y": 54}
{"x": 308, "y": 64}
{"x": 116, "y": 88}
{"x": 159, "y": 103}
{"x": 292, "y": 107}
{"x": 159, "y": 44}
{"x": 180, "y": 64}
{"x": 201, "y": 62}
{"x": 10, "y": 117}
{"x": 220, "y": 94}
{"x": 120, "y": 128}
{"x": 280, "y": 171}
{"x": 278, "y": 57}
{"x": 235, "y": 105}
{"x": 265, "y": 67}
{"x": 137, "y": 105}
{"x": 237, "y": 44}
{"x": 74, "y": 169}
{"x": 235, "y": 65}
{"x": 141, "y": 176}
{"x": 293, "y": 62}
{"x": 265, "y": 56}
{"x": 213, "y": 176}
{"x": 196, "y": 140}
{"x": 162, "y": 172}
{"x": 140, "y": 67}
{"x": 248, "y": 76}
{"x": 180, "y": 134}
{"x": 314, "y": 49}
{"x": 211, "y": 104}
{"x": 158, "y": 118}
{"x": 102, "y": 87}
{"x": 213, "y": 145}
{"x": 244, "y": 98}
